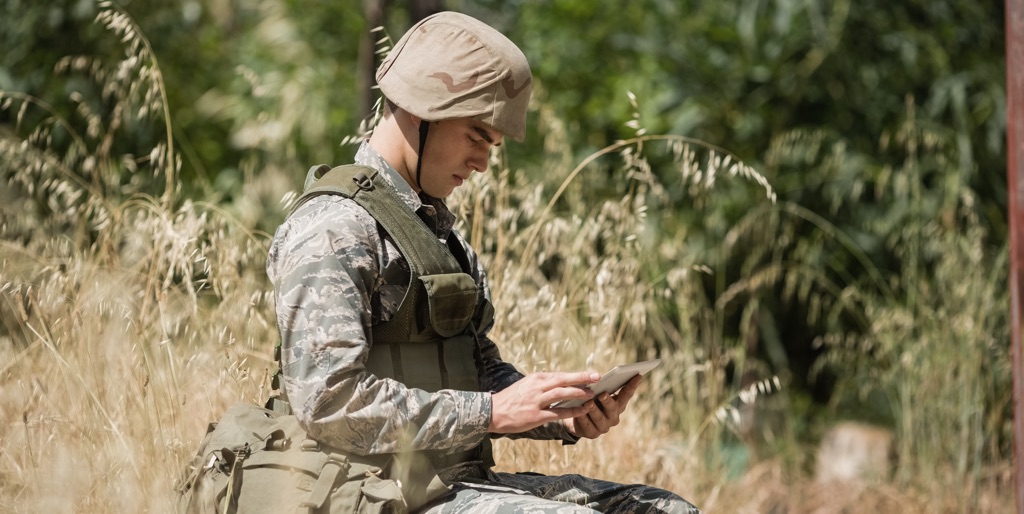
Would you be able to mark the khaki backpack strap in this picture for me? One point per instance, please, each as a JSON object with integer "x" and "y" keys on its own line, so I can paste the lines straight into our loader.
{"x": 277, "y": 401}
{"x": 234, "y": 486}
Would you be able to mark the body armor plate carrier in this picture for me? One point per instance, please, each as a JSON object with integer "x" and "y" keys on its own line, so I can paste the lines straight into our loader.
{"x": 431, "y": 341}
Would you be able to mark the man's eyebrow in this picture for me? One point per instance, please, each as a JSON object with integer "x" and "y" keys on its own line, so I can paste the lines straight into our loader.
{"x": 486, "y": 136}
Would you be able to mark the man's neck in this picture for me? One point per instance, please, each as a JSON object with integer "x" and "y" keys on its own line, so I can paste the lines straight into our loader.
{"x": 391, "y": 140}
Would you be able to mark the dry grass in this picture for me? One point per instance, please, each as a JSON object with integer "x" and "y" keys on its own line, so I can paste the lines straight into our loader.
{"x": 130, "y": 318}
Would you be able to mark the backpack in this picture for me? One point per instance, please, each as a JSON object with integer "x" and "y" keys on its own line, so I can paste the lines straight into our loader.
{"x": 258, "y": 460}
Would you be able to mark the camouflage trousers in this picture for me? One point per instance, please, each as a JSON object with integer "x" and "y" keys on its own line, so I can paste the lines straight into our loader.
{"x": 523, "y": 493}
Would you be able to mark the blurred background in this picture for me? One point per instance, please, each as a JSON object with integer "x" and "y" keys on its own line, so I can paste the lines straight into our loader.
{"x": 799, "y": 205}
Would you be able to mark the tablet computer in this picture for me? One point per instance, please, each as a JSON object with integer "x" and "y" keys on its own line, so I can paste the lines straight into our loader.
{"x": 612, "y": 381}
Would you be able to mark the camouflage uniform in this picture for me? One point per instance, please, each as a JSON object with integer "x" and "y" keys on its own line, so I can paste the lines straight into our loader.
{"x": 336, "y": 273}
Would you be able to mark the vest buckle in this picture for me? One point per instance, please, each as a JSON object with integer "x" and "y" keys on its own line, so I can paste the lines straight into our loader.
{"x": 363, "y": 182}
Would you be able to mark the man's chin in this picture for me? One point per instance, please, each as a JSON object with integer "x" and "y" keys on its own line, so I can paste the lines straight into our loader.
{"x": 442, "y": 194}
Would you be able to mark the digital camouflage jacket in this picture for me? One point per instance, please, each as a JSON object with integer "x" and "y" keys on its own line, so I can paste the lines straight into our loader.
{"x": 336, "y": 275}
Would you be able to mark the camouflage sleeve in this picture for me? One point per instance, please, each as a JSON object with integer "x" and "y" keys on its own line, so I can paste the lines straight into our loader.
{"x": 324, "y": 265}
{"x": 496, "y": 374}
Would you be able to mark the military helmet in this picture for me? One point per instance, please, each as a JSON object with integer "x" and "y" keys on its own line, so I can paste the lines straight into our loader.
{"x": 451, "y": 65}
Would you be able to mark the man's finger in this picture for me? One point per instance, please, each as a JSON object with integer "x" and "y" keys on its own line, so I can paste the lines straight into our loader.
{"x": 572, "y": 412}
{"x": 576, "y": 378}
{"x": 627, "y": 392}
{"x": 568, "y": 378}
{"x": 584, "y": 427}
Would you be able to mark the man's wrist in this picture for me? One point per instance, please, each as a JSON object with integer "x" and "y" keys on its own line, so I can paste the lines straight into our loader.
{"x": 569, "y": 436}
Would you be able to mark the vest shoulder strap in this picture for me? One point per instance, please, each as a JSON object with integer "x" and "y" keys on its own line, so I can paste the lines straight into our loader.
{"x": 320, "y": 181}
{"x": 425, "y": 253}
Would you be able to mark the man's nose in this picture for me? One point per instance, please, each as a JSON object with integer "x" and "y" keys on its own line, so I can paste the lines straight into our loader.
{"x": 480, "y": 161}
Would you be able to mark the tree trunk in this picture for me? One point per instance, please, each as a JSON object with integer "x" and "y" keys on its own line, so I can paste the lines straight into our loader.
{"x": 374, "y": 12}
{"x": 419, "y": 9}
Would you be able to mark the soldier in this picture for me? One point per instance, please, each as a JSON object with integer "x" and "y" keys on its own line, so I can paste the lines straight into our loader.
{"x": 383, "y": 308}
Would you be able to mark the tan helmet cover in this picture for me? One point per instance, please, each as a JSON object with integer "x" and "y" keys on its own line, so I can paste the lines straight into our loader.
{"x": 454, "y": 66}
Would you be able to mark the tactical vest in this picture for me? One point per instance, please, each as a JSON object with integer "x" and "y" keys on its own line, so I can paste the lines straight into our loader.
{"x": 431, "y": 341}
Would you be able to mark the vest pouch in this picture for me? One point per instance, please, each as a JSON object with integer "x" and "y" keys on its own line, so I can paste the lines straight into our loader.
{"x": 452, "y": 299}
{"x": 379, "y": 496}
{"x": 367, "y": 490}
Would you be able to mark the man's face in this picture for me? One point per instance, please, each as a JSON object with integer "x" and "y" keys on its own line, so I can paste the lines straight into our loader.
{"x": 455, "y": 149}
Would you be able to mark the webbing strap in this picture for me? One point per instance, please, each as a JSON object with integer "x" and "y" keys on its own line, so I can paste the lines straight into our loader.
{"x": 420, "y": 246}
{"x": 234, "y": 486}
{"x": 424, "y": 252}
{"x": 336, "y": 465}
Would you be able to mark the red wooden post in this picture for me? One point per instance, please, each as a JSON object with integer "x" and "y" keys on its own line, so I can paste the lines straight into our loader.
{"x": 1015, "y": 190}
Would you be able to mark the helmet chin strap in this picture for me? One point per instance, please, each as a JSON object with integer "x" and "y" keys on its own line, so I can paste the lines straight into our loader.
{"x": 424, "y": 128}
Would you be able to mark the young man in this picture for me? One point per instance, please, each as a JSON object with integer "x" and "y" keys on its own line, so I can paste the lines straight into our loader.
{"x": 384, "y": 309}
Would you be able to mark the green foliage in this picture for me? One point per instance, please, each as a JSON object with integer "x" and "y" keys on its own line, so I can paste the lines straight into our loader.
{"x": 878, "y": 125}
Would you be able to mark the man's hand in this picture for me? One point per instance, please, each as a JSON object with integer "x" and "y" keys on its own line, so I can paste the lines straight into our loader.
{"x": 598, "y": 421}
{"x": 526, "y": 404}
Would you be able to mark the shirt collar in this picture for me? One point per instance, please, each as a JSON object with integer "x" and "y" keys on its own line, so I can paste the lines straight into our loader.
{"x": 433, "y": 210}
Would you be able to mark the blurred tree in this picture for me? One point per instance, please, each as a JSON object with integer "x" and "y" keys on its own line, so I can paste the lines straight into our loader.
{"x": 827, "y": 98}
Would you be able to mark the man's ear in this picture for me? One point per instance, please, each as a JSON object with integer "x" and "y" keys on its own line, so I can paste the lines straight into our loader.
{"x": 413, "y": 118}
